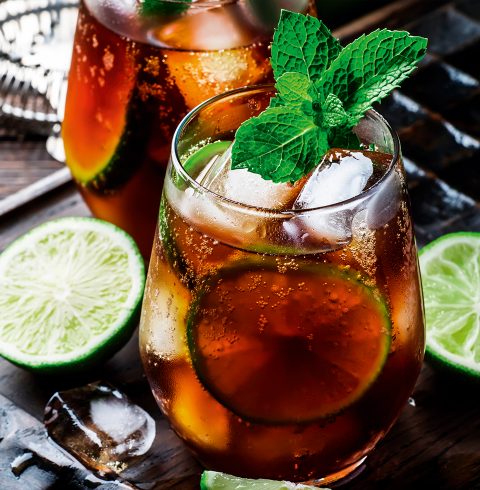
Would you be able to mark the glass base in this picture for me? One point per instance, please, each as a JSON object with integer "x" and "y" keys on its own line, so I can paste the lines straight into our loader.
{"x": 341, "y": 477}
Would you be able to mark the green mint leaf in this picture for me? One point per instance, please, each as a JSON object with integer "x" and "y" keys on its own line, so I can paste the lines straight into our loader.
{"x": 276, "y": 102}
{"x": 334, "y": 114}
{"x": 370, "y": 68}
{"x": 293, "y": 90}
{"x": 341, "y": 137}
{"x": 302, "y": 44}
{"x": 164, "y": 7}
{"x": 282, "y": 144}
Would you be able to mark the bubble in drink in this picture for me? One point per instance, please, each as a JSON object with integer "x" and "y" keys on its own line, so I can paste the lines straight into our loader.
{"x": 99, "y": 426}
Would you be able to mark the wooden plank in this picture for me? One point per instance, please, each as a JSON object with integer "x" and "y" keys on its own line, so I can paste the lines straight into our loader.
{"x": 35, "y": 190}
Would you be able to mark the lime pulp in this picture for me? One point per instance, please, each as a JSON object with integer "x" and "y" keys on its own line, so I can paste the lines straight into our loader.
{"x": 70, "y": 293}
{"x": 450, "y": 268}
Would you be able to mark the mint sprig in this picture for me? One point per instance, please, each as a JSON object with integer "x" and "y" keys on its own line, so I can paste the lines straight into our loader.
{"x": 323, "y": 91}
{"x": 164, "y": 7}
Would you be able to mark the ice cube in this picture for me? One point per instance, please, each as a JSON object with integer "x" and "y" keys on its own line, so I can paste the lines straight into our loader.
{"x": 206, "y": 29}
{"x": 213, "y": 51}
{"x": 233, "y": 224}
{"x": 246, "y": 187}
{"x": 28, "y": 459}
{"x": 214, "y": 172}
{"x": 100, "y": 426}
{"x": 343, "y": 175}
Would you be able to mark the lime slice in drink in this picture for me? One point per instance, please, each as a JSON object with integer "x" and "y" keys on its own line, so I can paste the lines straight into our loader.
{"x": 450, "y": 269}
{"x": 212, "y": 480}
{"x": 196, "y": 162}
{"x": 280, "y": 347}
{"x": 104, "y": 128}
{"x": 70, "y": 293}
{"x": 105, "y": 159}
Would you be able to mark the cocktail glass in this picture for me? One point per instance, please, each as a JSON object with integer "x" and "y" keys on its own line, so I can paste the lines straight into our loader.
{"x": 135, "y": 74}
{"x": 281, "y": 341}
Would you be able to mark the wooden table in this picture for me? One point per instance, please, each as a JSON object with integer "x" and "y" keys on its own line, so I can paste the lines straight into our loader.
{"x": 435, "y": 443}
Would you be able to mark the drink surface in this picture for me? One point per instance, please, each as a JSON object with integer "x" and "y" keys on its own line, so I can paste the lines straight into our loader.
{"x": 133, "y": 78}
{"x": 285, "y": 346}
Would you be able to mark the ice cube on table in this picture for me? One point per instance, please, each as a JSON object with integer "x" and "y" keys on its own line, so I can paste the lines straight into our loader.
{"x": 343, "y": 175}
{"x": 28, "y": 459}
{"x": 99, "y": 426}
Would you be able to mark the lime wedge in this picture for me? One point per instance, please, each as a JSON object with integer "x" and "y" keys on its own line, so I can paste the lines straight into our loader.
{"x": 450, "y": 269}
{"x": 293, "y": 338}
{"x": 212, "y": 480}
{"x": 70, "y": 293}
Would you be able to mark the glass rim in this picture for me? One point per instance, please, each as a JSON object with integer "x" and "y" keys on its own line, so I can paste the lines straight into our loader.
{"x": 175, "y": 158}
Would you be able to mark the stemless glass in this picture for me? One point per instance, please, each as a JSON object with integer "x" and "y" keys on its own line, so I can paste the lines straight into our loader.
{"x": 135, "y": 74}
{"x": 281, "y": 343}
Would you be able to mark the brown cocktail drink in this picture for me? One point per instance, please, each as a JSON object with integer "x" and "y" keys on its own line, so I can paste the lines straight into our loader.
{"x": 137, "y": 69}
{"x": 282, "y": 327}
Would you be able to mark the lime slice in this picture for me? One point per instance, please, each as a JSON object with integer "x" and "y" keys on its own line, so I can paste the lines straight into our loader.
{"x": 450, "y": 269}
{"x": 212, "y": 480}
{"x": 70, "y": 293}
{"x": 196, "y": 162}
{"x": 105, "y": 161}
{"x": 281, "y": 348}
{"x": 105, "y": 125}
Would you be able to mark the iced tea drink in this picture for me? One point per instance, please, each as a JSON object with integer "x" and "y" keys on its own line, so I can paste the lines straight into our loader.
{"x": 282, "y": 336}
{"x": 135, "y": 74}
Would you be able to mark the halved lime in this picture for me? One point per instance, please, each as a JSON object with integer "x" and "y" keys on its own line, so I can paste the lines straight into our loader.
{"x": 450, "y": 269}
{"x": 212, "y": 480}
{"x": 70, "y": 293}
{"x": 281, "y": 347}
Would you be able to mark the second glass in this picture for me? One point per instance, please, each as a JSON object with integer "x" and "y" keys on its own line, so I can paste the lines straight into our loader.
{"x": 135, "y": 74}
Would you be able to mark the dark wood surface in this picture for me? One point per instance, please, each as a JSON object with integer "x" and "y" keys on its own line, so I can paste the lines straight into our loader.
{"x": 435, "y": 444}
